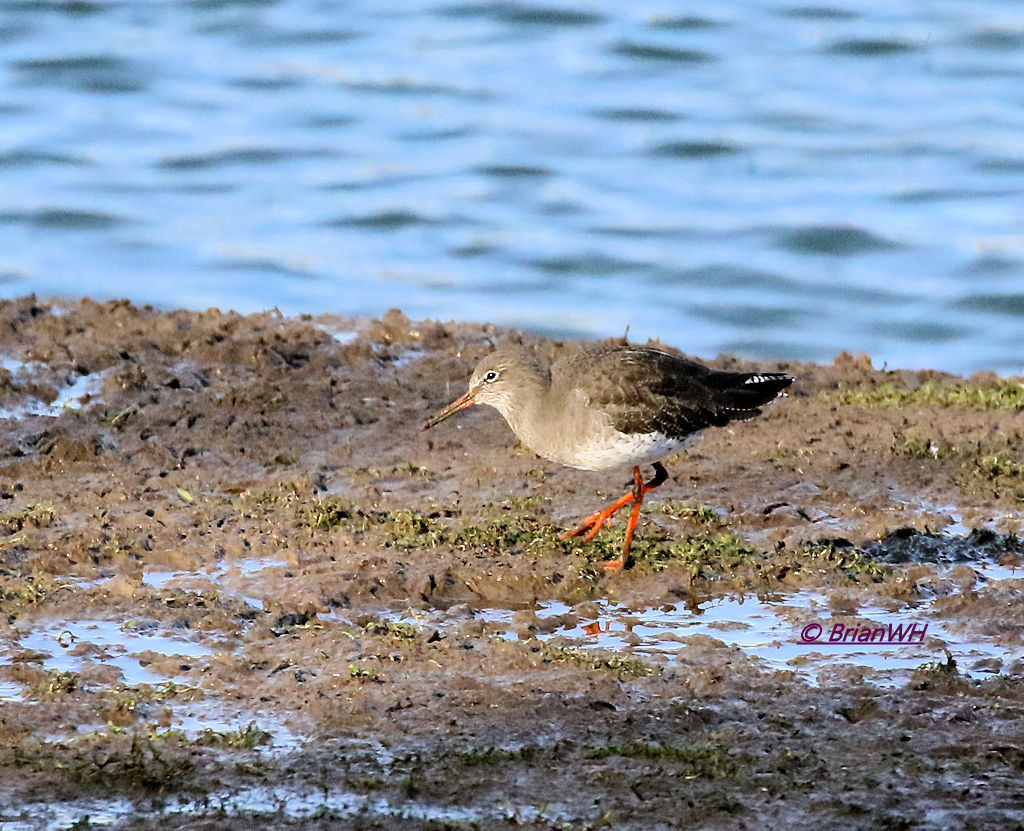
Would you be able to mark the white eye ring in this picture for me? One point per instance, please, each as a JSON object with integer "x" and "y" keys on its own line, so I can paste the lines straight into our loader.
{"x": 492, "y": 375}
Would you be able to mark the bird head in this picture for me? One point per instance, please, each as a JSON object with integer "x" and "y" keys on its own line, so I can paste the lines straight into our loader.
{"x": 497, "y": 379}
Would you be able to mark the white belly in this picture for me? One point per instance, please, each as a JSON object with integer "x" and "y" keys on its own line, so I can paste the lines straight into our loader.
{"x": 619, "y": 450}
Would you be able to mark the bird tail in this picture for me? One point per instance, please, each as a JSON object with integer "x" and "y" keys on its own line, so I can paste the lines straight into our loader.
{"x": 740, "y": 395}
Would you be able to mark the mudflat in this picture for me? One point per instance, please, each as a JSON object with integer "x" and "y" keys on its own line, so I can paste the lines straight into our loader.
{"x": 240, "y": 588}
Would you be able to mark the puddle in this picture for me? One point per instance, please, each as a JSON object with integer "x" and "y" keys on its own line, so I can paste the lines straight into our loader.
{"x": 197, "y": 717}
{"x": 409, "y": 355}
{"x": 72, "y": 647}
{"x": 342, "y": 336}
{"x": 98, "y": 813}
{"x": 229, "y": 578}
{"x": 800, "y": 632}
{"x": 773, "y": 634}
{"x": 797, "y": 634}
{"x": 992, "y": 571}
{"x": 69, "y": 396}
{"x": 956, "y": 528}
{"x": 395, "y": 354}
{"x": 292, "y": 803}
{"x": 65, "y": 647}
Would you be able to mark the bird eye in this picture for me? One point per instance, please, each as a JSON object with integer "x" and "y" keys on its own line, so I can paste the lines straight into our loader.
{"x": 492, "y": 375}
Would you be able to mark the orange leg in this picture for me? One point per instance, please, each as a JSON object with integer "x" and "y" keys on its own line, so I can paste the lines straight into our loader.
{"x": 593, "y": 524}
{"x": 596, "y": 521}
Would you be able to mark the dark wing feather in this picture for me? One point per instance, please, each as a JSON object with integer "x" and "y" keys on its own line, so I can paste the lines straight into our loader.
{"x": 646, "y": 390}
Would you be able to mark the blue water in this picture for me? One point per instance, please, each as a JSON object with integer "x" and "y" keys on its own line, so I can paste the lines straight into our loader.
{"x": 776, "y": 179}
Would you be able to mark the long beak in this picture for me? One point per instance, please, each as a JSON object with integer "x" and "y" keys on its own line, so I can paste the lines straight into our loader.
{"x": 461, "y": 403}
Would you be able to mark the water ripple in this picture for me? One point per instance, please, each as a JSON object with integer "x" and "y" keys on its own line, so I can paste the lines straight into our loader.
{"x": 38, "y": 158}
{"x": 952, "y": 194}
{"x": 655, "y": 52}
{"x": 989, "y": 266}
{"x": 833, "y": 240}
{"x": 693, "y": 149}
{"x": 871, "y": 47}
{"x": 750, "y": 316}
{"x": 691, "y": 22}
{"x": 636, "y": 114}
{"x": 819, "y": 13}
{"x": 1011, "y": 305}
{"x": 590, "y": 265}
{"x": 726, "y": 276}
{"x": 996, "y": 40}
{"x": 525, "y": 15}
{"x": 275, "y": 38}
{"x": 87, "y": 73}
{"x": 407, "y": 87}
{"x": 1001, "y": 166}
{"x": 396, "y": 219}
{"x": 241, "y": 156}
{"x": 515, "y": 171}
{"x": 64, "y": 219}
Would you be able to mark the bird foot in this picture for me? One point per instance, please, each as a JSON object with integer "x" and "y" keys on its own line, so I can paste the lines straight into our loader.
{"x": 614, "y": 566}
{"x": 591, "y": 526}
{"x": 596, "y": 521}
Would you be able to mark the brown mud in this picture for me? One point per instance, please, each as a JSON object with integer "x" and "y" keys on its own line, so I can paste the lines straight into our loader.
{"x": 240, "y": 588}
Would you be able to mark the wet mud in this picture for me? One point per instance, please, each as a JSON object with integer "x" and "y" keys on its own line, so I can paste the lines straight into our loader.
{"x": 239, "y": 587}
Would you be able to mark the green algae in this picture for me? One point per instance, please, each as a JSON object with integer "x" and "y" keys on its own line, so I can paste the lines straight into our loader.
{"x": 29, "y": 589}
{"x": 702, "y": 547}
{"x": 408, "y": 529}
{"x": 244, "y": 738}
{"x": 520, "y": 533}
{"x": 705, "y": 760}
{"x": 617, "y": 665}
{"x": 36, "y": 515}
{"x": 691, "y": 512}
{"x": 114, "y": 759}
{"x": 55, "y": 682}
{"x": 991, "y": 466}
{"x": 395, "y": 630}
{"x": 703, "y": 554}
{"x": 708, "y": 552}
{"x": 851, "y": 562}
{"x": 324, "y": 514}
{"x": 1008, "y": 394}
{"x": 496, "y": 756}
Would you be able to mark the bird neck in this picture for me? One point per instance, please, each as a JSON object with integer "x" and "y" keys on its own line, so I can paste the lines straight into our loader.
{"x": 523, "y": 412}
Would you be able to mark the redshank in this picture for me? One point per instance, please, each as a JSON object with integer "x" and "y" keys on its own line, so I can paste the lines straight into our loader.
{"x": 612, "y": 406}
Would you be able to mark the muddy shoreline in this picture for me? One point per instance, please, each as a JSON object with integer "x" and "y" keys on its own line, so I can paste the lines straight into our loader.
{"x": 239, "y": 586}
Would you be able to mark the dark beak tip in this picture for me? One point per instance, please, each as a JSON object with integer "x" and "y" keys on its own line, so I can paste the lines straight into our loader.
{"x": 457, "y": 405}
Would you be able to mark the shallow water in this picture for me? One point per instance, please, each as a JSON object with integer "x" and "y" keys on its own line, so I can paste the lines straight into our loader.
{"x": 129, "y": 647}
{"x": 772, "y": 178}
{"x": 762, "y": 630}
{"x": 769, "y": 630}
{"x": 112, "y": 644}
{"x": 70, "y": 394}
{"x": 233, "y": 577}
{"x": 294, "y": 803}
